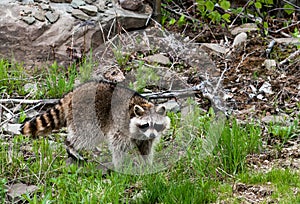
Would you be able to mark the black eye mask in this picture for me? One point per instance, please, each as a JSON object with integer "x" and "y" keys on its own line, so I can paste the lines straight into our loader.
{"x": 144, "y": 127}
{"x": 159, "y": 127}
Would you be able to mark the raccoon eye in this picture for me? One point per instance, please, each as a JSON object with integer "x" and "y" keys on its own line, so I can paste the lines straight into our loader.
{"x": 144, "y": 127}
{"x": 159, "y": 127}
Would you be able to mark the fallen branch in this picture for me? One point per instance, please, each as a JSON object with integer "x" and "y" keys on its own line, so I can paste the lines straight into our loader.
{"x": 203, "y": 88}
{"x": 292, "y": 56}
{"x": 18, "y": 114}
{"x": 174, "y": 93}
{"x": 182, "y": 14}
{"x": 281, "y": 29}
{"x": 25, "y": 101}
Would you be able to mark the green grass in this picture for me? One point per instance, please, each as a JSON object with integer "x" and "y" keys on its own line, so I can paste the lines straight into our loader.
{"x": 86, "y": 68}
{"x": 52, "y": 81}
{"x": 283, "y": 182}
{"x": 121, "y": 58}
{"x": 58, "y": 81}
{"x": 144, "y": 76}
{"x": 284, "y": 132}
{"x": 235, "y": 144}
{"x": 12, "y": 78}
{"x": 191, "y": 180}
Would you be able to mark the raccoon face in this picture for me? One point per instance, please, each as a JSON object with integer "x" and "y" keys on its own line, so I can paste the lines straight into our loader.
{"x": 149, "y": 124}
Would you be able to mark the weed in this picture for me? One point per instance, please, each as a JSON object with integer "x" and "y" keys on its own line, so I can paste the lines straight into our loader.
{"x": 284, "y": 133}
{"x": 144, "y": 76}
{"x": 122, "y": 58}
{"x": 86, "y": 68}
{"x": 58, "y": 82}
{"x": 158, "y": 189}
{"x": 288, "y": 8}
{"x": 22, "y": 117}
{"x": 12, "y": 78}
{"x": 235, "y": 144}
{"x": 225, "y": 146}
{"x": 282, "y": 181}
{"x": 206, "y": 9}
{"x": 296, "y": 33}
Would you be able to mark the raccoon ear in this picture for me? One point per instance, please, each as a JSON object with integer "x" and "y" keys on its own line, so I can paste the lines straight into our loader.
{"x": 138, "y": 110}
{"x": 161, "y": 110}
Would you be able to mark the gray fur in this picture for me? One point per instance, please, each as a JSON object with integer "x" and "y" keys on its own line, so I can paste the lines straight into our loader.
{"x": 106, "y": 112}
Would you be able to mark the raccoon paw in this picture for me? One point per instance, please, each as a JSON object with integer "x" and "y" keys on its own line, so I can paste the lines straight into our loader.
{"x": 73, "y": 154}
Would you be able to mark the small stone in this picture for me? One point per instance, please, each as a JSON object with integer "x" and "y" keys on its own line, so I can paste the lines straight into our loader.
{"x": 52, "y": 17}
{"x": 89, "y": 1}
{"x": 132, "y": 5}
{"x": 101, "y": 6}
{"x": 61, "y": 1}
{"x": 27, "y": 2}
{"x": 69, "y": 9}
{"x": 80, "y": 14}
{"x": 39, "y": 15}
{"x": 76, "y": 3}
{"x": 172, "y": 106}
{"x": 158, "y": 58}
{"x": 27, "y": 11}
{"x": 268, "y": 63}
{"x": 215, "y": 47}
{"x": 45, "y": 7}
{"x": 29, "y": 20}
{"x": 19, "y": 189}
{"x": 12, "y": 128}
{"x": 30, "y": 87}
{"x": 244, "y": 28}
{"x": 89, "y": 9}
{"x": 239, "y": 39}
{"x": 266, "y": 88}
{"x": 275, "y": 119}
{"x": 32, "y": 113}
{"x": 260, "y": 97}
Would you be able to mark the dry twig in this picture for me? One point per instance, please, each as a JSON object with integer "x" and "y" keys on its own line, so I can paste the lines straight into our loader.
{"x": 290, "y": 57}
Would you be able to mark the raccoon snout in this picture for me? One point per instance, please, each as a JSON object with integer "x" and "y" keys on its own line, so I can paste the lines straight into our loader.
{"x": 152, "y": 136}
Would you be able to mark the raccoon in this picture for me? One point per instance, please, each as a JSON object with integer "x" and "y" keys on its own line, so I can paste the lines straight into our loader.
{"x": 100, "y": 111}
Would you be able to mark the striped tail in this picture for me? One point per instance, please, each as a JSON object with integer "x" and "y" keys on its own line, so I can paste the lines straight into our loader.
{"x": 52, "y": 119}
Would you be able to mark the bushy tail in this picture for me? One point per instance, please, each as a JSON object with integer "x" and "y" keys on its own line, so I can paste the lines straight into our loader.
{"x": 52, "y": 119}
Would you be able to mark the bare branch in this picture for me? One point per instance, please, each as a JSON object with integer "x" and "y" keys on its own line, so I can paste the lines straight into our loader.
{"x": 43, "y": 101}
{"x": 290, "y": 57}
{"x": 175, "y": 93}
{"x": 292, "y": 25}
{"x": 181, "y": 14}
{"x": 18, "y": 114}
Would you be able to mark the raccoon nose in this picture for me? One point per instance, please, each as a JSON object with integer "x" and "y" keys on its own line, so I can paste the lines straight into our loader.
{"x": 152, "y": 136}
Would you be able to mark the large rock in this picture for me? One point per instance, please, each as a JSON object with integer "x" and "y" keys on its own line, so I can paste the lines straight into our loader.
{"x": 59, "y": 29}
